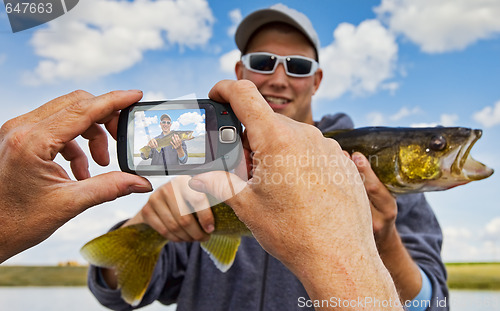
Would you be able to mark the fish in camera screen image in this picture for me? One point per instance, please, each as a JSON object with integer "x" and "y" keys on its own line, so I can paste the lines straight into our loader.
{"x": 169, "y": 137}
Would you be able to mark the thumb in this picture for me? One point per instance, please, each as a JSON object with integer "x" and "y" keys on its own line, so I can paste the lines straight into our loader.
{"x": 106, "y": 187}
{"x": 223, "y": 186}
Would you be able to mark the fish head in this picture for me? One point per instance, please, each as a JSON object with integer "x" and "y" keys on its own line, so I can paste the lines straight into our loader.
{"x": 432, "y": 159}
{"x": 185, "y": 135}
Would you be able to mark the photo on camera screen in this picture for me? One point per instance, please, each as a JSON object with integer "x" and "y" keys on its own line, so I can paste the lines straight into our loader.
{"x": 168, "y": 138}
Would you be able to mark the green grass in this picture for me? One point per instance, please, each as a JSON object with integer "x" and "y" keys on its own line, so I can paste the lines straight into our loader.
{"x": 480, "y": 276}
{"x": 42, "y": 276}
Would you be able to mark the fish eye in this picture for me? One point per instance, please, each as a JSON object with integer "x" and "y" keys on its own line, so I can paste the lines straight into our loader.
{"x": 437, "y": 143}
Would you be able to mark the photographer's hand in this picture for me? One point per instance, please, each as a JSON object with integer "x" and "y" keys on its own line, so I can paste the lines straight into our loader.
{"x": 37, "y": 196}
{"x": 319, "y": 226}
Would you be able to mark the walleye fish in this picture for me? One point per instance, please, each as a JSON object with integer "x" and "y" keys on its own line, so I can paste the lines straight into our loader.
{"x": 166, "y": 141}
{"x": 406, "y": 160}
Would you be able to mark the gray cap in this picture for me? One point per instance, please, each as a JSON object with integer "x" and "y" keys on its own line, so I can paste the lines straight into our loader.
{"x": 276, "y": 13}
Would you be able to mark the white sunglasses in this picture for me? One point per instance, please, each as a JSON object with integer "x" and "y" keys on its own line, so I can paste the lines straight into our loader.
{"x": 266, "y": 63}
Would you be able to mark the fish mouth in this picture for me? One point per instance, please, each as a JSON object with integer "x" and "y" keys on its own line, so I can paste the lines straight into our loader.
{"x": 466, "y": 166}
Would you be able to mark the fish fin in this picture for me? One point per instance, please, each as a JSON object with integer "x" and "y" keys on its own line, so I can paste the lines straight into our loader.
{"x": 133, "y": 251}
{"x": 222, "y": 250}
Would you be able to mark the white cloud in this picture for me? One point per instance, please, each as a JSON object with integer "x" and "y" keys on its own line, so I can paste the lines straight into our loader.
{"x": 175, "y": 125}
{"x": 141, "y": 121}
{"x": 190, "y": 118}
{"x": 229, "y": 60}
{"x": 103, "y": 37}
{"x": 492, "y": 230}
{"x": 360, "y": 60}
{"x": 489, "y": 116}
{"x": 445, "y": 120}
{"x": 236, "y": 18}
{"x": 199, "y": 129}
{"x": 442, "y": 26}
{"x": 403, "y": 113}
{"x": 377, "y": 118}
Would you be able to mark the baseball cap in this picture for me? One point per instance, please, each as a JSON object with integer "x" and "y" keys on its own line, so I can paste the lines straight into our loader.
{"x": 276, "y": 13}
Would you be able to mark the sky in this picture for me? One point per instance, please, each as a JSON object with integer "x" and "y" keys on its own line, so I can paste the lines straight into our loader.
{"x": 385, "y": 62}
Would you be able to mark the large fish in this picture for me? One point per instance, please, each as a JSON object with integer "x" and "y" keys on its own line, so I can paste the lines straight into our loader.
{"x": 405, "y": 159}
{"x": 166, "y": 141}
{"x": 410, "y": 160}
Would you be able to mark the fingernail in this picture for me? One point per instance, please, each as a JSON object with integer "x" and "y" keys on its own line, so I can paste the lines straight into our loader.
{"x": 135, "y": 91}
{"x": 209, "y": 229}
{"x": 141, "y": 188}
{"x": 357, "y": 159}
{"x": 197, "y": 185}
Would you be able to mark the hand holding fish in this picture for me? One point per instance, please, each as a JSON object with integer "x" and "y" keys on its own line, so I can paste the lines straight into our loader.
{"x": 37, "y": 195}
{"x": 162, "y": 212}
{"x": 176, "y": 142}
{"x": 153, "y": 144}
{"x": 391, "y": 249}
{"x": 316, "y": 228}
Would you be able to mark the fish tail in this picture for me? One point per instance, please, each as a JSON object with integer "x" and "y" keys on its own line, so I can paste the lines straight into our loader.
{"x": 133, "y": 251}
{"x": 146, "y": 150}
{"x": 222, "y": 250}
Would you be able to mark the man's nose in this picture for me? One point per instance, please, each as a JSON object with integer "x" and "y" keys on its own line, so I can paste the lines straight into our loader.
{"x": 279, "y": 78}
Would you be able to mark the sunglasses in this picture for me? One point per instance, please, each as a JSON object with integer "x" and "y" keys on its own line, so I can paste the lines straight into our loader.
{"x": 165, "y": 122}
{"x": 266, "y": 63}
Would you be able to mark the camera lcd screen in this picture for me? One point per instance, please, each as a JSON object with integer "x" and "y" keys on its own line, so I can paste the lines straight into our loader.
{"x": 169, "y": 137}
{"x": 177, "y": 138}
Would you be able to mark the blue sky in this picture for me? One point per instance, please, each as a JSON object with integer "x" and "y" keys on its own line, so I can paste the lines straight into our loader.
{"x": 386, "y": 62}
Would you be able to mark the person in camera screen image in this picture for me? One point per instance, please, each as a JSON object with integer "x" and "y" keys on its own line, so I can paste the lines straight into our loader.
{"x": 174, "y": 153}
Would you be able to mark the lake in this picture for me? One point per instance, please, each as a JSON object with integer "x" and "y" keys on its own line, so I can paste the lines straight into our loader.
{"x": 80, "y": 299}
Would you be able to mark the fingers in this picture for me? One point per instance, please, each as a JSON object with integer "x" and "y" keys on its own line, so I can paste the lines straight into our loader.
{"x": 78, "y": 160}
{"x": 162, "y": 212}
{"x": 153, "y": 143}
{"x": 378, "y": 194}
{"x": 225, "y": 187}
{"x": 248, "y": 104}
{"x": 98, "y": 144}
{"x": 101, "y": 188}
{"x": 206, "y": 220}
{"x": 80, "y": 115}
{"x": 176, "y": 142}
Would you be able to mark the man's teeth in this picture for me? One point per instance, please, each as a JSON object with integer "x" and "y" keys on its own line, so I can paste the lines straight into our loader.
{"x": 276, "y": 100}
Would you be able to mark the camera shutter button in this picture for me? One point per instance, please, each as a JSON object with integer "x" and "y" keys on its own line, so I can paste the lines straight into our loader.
{"x": 227, "y": 134}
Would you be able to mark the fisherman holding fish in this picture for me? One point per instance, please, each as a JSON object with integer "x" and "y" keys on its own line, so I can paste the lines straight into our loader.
{"x": 280, "y": 49}
{"x": 174, "y": 153}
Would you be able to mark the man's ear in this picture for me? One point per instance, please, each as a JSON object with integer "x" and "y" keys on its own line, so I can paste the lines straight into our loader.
{"x": 318, "y": 76}
{"x": 238, "y": 69}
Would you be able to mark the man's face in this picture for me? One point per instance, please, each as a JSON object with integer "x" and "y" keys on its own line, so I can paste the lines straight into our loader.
{"x": 290, "y": 96}
{"x": 165, "y": 125}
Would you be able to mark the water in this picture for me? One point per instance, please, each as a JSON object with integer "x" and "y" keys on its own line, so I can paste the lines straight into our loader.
{"x": 80, "y": 299}
{"x": 57, "y": 299}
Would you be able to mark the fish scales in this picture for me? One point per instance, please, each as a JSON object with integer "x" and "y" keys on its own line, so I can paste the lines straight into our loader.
{"x": 404, "y": 159}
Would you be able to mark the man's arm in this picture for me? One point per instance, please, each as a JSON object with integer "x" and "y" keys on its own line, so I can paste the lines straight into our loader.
{"x": 418, "y": 272}
{"x": 404, "y": 271}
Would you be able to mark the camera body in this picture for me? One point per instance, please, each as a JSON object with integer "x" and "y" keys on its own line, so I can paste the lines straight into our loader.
{"x": 178, "y": 137}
